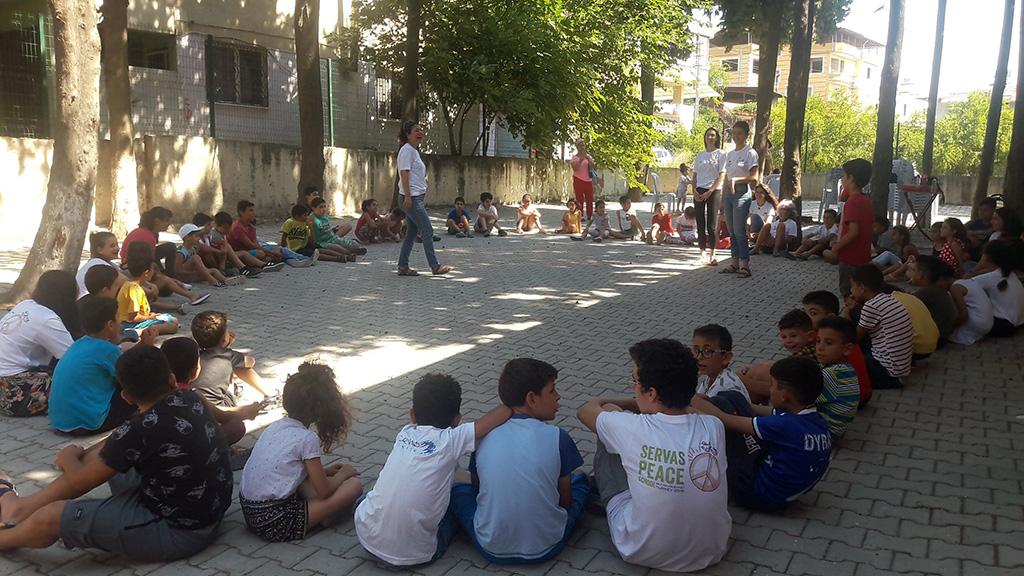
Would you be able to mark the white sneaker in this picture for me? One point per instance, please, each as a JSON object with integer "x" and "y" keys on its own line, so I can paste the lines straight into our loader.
{"x": 301, "y": 263}
{"x": 316, "y": 256}
{"x": 234, "y": 280}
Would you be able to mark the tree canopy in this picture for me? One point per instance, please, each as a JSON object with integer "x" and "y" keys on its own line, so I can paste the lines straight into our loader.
{"x": 547, "y": 70}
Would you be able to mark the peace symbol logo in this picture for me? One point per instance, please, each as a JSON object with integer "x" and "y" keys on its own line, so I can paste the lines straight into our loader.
{"x": 705, "y": 473}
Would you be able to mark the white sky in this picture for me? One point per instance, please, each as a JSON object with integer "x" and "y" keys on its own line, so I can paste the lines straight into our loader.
{"x": 970, "y": 48}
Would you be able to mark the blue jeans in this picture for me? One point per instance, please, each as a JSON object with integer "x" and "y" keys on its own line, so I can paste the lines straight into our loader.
{"x": 417, "y": 223}
{"x": 287, "y": 255}
{"x": 737, "y": 209}
{"x": 463, "y": 504}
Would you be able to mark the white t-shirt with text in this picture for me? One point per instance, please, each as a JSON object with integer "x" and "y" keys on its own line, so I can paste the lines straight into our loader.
{"x": 623, "y": 220}
{"x": 707, "y": 166}
{"x": 674, "y": 515}
{"x": 398, "y": 520}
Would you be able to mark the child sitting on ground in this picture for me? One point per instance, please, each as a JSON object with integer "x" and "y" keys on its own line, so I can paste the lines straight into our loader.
{"x": 103, "y": 249}
{"x": 597, "y": 227}
{"x": 414, "y": 488}
{"x": 840, "y": 394}
{"x": 396, "y": 225}
{"x": 820, "y": 240}
{"x": 297, "y": 234}
{"x": 327, "y": 236}
{"x": 932, "y": 277}
{"x": 685, "y": 224}
{"x": 84, "y": 395}
{"x": 524, "y": 465}
{"x": 286, "y": 491}
{"x": 781, "y": 235}
{"x": 712, "y": 348}
{"x": 243, "y": 237}
{"x": 885, "y": 331}
{"x": 171, "y": 505}
{"x": 572, "y": 220}
{"x": 796, "y": 333}
{"x": 222, "y": 224}
{"x": 776, "y": 453}
{"x": 529, "y": 217}
{"x": 133, "y": 309}
{"x": 645, "y": 446}
{"x": 189, "y": 264}
{"x": 487, "y": 216}
{"x": 893, "y": 263}
{"x": 953, "y": 236}
{"x": 926, "y": 332}
{"x": 219, "y": 363}
{"x": 820, "y": 304}
{"x": 661, "y": 226}
{"x": 183, "y": 358}
{"x": 219, "y": 254}
{"x": 629, "y": 226}
{"x": 458, "y": 220}
{"x": 371, "y": 227}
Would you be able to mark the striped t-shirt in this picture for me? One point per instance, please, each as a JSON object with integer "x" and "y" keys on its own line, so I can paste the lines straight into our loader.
{"x": 892, "y": 333}
{"x": 839, "y": 397}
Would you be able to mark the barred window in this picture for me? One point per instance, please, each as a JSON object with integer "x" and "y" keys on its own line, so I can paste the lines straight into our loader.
{"x": 152, "y": 50}
{"x": 389, "y": 99}
{"x": 239, "y": 75}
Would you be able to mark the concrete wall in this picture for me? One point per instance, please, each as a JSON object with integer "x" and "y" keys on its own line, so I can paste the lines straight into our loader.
{"x": 192, "y": 174}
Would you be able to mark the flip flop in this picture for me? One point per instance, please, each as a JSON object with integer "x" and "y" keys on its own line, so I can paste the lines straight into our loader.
{"x": 202, "y": 298}
{"x": 407, "y": 272}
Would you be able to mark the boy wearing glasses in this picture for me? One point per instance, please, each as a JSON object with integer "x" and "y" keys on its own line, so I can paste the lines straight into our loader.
{"x": 712, "y": 348}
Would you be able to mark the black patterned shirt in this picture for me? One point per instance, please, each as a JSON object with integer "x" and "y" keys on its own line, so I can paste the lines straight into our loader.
{"x": 180, "y": 453}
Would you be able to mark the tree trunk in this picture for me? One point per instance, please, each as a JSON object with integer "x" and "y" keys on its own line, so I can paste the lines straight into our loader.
{"x": 411, "y": 70}
{"x": 1013, "y": 184}
{"x": 124, "y": 192}
{"x": 995, "y": 109}
{"x": 647, "y": 88}
{"x": 933, "y": 92}
{"x": 69, "y": 192}
{"x": 796, "y": 100}
{"x": 768, "y": 62}
{"x": 311, "y": 104}
{"x": 882, "y": 158}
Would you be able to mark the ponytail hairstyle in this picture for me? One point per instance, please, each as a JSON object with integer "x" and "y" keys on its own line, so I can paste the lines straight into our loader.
{"x": 98, "y": 240}
{"x": 149, "y": 217}
{"x": 406, "y": 129}
{"x": 1006, "y": 255}
{"x": 312, "y": 396}
{"x": 958, "y": 228}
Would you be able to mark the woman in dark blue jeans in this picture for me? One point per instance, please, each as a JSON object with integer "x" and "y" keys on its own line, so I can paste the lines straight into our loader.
{"x": 413, "y": 188}
{"x": 741, "y": 174}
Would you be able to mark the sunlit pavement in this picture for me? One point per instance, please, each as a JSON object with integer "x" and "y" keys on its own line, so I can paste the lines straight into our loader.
{"x": 928, "y": 480}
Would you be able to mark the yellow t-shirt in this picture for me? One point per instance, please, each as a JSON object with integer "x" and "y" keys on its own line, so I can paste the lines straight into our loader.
{"x": 926, "y": 332}
{"x": 296, "y": 234}
{"x": 131, "y": 298}
{"x": 574, "y": 220}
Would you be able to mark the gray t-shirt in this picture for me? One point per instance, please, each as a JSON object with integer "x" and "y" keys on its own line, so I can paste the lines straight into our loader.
{"x": 217, "y": 368}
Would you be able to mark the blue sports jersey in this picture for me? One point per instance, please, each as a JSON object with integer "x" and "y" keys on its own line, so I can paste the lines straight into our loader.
{"x": 799, "y": 450}
{"x": 453, "y": 215}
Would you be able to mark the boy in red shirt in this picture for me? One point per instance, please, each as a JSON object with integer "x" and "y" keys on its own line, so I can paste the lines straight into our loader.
{"x": 854, "y": 245}
{"x": 661, "y": 225}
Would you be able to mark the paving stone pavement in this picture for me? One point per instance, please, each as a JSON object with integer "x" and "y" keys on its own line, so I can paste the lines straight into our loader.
{"x": 927, "y": 481}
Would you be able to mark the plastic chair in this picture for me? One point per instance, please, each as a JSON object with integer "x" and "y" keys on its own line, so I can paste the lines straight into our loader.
{"x": 831, "y": 192}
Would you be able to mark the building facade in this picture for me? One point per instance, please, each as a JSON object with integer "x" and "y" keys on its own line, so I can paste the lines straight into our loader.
{"x": 846, "y": 61}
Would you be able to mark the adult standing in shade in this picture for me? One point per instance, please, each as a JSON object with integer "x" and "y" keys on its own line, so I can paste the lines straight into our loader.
{"x": 708, "y": 176}
{"x": 412, "y": 192}
{"x": 583, "y": 171}
{"x": 741, "y": 173}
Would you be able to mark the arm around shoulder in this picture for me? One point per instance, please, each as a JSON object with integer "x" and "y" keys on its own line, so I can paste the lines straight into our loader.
{"x": 496, "y": 417}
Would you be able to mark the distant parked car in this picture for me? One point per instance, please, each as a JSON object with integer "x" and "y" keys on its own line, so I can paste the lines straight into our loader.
{"x": 662, "y": 157}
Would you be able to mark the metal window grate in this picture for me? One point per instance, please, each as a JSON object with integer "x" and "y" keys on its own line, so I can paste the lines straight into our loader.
{"x": 240, "y": 75}
{"x": 26, "y": 66}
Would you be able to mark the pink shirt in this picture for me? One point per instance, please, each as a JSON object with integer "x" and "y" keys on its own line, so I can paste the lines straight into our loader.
{"x": 138, "y": 235}
{"x": 582, "y": 171}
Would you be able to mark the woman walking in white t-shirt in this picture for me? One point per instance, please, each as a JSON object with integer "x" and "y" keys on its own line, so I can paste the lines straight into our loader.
{"x": 708, "y": 175}
{"x": 741, "y": 172}
{"x": 32, "y": 334}
{"x": 412, "y": 190}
